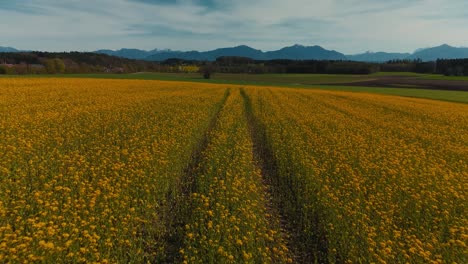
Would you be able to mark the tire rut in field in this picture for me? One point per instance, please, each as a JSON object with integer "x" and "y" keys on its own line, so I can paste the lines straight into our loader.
{"x": 177, "y": 208}
{"x": 290, "y": 224}
{"x": 265, "y": 161}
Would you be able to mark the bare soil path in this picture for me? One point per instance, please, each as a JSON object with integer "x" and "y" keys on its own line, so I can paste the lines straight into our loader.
{"x": 410, "y": 82}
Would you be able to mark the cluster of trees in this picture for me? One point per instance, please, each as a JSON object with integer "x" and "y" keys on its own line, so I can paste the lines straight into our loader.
{"x": 70, "y": 62}
{"x": 247, "y": 65}
{"x": 455, "y": 67}
{"x": 450, "y": 67}
{"x": 417, "y": 66}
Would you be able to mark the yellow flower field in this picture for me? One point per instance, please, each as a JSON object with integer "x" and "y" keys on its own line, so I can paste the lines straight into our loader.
{"x": 118, "y": 171}
{"x": 229, "y": 221}
{"x": 87, "y": 165}
{"x": 370, "y": 178}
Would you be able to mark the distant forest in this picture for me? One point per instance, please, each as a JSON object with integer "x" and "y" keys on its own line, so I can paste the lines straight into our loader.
{"x": 69, "y": 62}
{"x": 79, "y": 62}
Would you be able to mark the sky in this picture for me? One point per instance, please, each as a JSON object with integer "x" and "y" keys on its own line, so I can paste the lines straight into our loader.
{"x": 348, "y": 26}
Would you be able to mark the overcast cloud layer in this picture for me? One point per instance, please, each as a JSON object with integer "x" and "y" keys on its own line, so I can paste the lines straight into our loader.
{"x": 349, "y": 26}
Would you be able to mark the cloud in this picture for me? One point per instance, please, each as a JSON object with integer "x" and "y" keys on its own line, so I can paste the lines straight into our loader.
{"x": 345, "y": 25}
{"x": 21, "y": 7}
{"x": 205, "y": 3}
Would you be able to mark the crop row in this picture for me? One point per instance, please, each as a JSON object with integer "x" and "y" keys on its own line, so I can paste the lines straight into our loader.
{"x": 230, "y": 222}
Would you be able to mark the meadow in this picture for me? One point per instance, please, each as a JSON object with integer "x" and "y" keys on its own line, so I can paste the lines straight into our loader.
{"x": 137, "y": 171}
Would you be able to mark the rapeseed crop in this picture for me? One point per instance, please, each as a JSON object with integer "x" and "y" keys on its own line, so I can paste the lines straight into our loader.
{"x": 118, "y": 171}
{"x": 86, "y": 166}
{"x": 369, "y": 178}
{"x": 229, "y": 220}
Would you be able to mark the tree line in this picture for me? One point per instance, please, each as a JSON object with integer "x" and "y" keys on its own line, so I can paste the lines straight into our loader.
{"x": 70, "y": 62}
{"x": 87, "y": 62}
{"x": 455, "y": 67}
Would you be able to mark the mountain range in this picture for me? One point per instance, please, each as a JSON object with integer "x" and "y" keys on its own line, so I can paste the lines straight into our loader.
{"x": 295, "y": 52}
{"x": 8, "y": 49}
{"x": 444, "y": 51}
{"x": 377, "y": 56}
